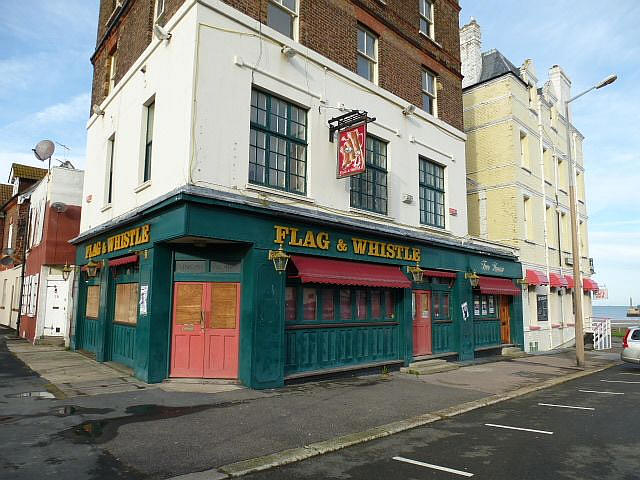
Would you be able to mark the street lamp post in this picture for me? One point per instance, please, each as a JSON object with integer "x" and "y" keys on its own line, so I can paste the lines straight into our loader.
{"x": 575, "y": 245}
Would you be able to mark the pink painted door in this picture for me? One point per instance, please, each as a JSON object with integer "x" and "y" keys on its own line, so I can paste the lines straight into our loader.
{"x": 421, "y": 323}
{"x": 187, "y": 337}
{"x": 222, "y": 330}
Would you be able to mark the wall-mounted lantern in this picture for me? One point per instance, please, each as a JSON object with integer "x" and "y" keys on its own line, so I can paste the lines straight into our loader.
{"x": 416, "y": 272}
{"x": 473, "y": 278}
{"x": 279, "y": 259}
{"x": 92, "y": 268}
{"x": 66, "y": 271}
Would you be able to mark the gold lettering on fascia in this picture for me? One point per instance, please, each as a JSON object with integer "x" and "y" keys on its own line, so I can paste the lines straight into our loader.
{"x": 130, "y": 238}
{"x": 310, "y": 239}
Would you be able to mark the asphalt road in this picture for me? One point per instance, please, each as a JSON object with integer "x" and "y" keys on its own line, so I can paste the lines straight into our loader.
{"x": 600, "y": 440}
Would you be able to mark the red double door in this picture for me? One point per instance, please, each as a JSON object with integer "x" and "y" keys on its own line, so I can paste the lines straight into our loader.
{"x": 206, "y": 321}
{"x": 421, "y": 322}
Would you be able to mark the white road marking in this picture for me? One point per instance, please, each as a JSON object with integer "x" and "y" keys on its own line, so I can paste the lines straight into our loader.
{"x": 628, "y": 373}
{"x": 435, "y": 467}
{"x": 565, "y": 406}
{"x": 518, "y": 428}
{"x": 596, "y": 391}
{"x": 617, "y": 381}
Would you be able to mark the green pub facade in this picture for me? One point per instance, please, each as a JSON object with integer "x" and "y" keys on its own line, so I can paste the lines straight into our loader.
{"x": 188, "y": 287}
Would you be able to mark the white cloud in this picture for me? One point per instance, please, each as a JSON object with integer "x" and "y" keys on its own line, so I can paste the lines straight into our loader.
{"x": 74, "y": 109}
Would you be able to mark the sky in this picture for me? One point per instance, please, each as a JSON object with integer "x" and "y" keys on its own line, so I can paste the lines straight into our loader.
{"x": 45, "y": 88}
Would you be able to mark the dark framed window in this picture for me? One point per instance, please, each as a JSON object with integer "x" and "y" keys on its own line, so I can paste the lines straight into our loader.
{"x": 323, "y": 304}
{"x": 429, "y": 91}
{"x": 543, "y": 308}
{"x": 369, "y": 189}
{"x": 440, "y": 305}
{"x": 431, "y": 181}
{"x": 281, "y": 16}
{"x": 278, "y": 143}
{"x": 151, "y": 108}
{"x": 485, "y": 306}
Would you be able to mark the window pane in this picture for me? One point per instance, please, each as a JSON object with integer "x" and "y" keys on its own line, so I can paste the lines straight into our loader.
{"x": 445, "y": 305}
{"x": 361, "y": 41}
{"x": 389, "y": 304}
{"x": 290, "y": 304}
{"x": 328, "y": 308}
{"x": 280, "y": 20}
{"x": 126, "y": 305}
{"x": 290, "y": 4}
{"x": 345, "y": 304}
{"x": 435, "y": 302}
{"x": 484, "y": 304}
{"x": 365, "y": 68}
{"x": 309, "y": 301}
{"x": 375, "y": 304}
{"x": 93, "y": 301}
{"x": 476, "y": 305}
{"x": 492, "y": 307}
{"x": 371, "y": 46}
{"x": 361, "y": 305}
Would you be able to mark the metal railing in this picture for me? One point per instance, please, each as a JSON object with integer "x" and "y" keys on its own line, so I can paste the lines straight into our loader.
{"x": 601, "y": 329}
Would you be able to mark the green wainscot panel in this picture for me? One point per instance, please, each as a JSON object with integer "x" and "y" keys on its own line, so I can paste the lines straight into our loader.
{"x": 443, "y": 337}
{"x": 322, "y": 348}
{"x": 123, "y": 342}
{"x": 486, "y": 333}
{"x": 87, "y": 334}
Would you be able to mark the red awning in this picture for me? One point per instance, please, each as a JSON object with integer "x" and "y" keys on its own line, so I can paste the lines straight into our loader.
{"x": 123, "y": 260}
{"x": 439, "y": 274}
{"x": 556, "y": 280}
{"x": 339, "y": 272}
{"x": 536, "y": 277}
{"x": 589, "y": 285}
{"x": 569, "y": 279}
{"x": 498, "y": 286}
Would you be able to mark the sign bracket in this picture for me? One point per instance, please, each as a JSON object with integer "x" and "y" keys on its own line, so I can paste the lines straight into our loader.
{"x": 349, "y": 119}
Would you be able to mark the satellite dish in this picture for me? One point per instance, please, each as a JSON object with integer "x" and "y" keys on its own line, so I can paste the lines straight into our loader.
{"x": 44, "y": 149}
{"x": 6, "y": 261}
{"x": 59, "y": 206}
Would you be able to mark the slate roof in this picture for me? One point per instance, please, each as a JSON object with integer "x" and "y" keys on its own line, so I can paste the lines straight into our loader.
{"x": 19, "y": 170}
{"x": 6, "y": 192}
{"x": 495, "y": 64}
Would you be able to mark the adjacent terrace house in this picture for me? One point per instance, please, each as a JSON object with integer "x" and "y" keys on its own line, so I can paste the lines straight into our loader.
{"x": 228, "y": 229}
{"x": 518, "y": 183}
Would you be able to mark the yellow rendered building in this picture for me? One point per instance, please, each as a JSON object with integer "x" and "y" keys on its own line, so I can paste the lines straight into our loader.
{"x": 518, "y": 183}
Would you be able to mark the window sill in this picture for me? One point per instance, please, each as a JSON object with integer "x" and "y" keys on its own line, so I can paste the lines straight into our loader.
{"x": 548, "y": 183}
{"x": 278, "y": 193}
{"x": 530, "y": 242}
{"x": 432, "y": 40}
{"x": 142, "y": 186}
{"x": 533, "y": 110}
{"x": 562, "y": 190}
{"x": 526, "y": 169}
{"x": 433, "y": 228}
{"x": 105, "y": 208}
{"x": 367, "y": 213}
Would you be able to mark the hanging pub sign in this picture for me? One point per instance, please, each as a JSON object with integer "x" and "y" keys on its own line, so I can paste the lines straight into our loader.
{"x": 351, "y": 151}
{"x": 352, "y": 141}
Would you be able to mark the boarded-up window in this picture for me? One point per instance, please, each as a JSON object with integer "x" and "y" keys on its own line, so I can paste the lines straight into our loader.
{"x": 224, "y": 302}
{"x": 126, "y": 303}
{"x": 189, "y": 303}
{"x": 93, "y": 301}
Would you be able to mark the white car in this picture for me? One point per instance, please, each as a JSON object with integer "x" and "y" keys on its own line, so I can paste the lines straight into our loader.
{"x": 631, "y": 346}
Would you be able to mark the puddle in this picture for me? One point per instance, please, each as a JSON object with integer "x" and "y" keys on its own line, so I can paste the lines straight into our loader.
{"x": 68, "y": 410}
{"x": 101, "y": 431}
{"x": 31, "y": 395}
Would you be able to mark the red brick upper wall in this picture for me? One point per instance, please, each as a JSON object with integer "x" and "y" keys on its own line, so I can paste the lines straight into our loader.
{"x": 330, "y": 28}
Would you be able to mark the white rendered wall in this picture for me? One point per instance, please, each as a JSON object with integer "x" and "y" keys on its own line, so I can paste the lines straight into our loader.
{"x": 231, "y": 57}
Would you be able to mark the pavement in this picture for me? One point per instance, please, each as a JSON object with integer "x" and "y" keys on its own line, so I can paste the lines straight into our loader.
{"x": 209, "y": 430}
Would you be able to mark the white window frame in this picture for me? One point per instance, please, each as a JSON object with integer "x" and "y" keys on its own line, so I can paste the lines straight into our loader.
{"x": 424, "y": 4}
{"x": 160, "y": 4}
{"x": 374, "y": 61}
{"x": 295, "y": 15}
{"x": 108, "y": 180}
{"x": 10, "y": 235}
{"x": 525, "y": 217}
{"x": 112, "y": 72}
{"x": 524, "y": 150}
{"x": 434, "y": 96}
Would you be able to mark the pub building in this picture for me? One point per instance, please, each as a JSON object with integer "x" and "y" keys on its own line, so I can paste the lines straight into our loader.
{"x": 264, "y": 203}
{"x": 215, "y": 286}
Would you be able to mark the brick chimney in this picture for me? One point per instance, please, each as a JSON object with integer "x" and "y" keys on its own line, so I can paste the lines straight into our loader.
{"x": 471, "y": 53}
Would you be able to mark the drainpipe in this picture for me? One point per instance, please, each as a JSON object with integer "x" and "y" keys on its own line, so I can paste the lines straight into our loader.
{"x": 544, "y": 217}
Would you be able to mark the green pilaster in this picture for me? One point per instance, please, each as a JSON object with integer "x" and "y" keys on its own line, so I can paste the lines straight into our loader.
{"x": 103, "y": 316}
{"x": 517, "y": 326}
{"x": 406, "y": 327}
